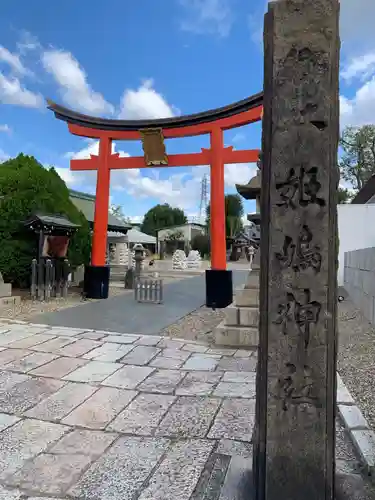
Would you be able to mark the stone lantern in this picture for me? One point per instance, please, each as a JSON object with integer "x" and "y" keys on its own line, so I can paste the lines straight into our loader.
{"x": 139, "y": 255}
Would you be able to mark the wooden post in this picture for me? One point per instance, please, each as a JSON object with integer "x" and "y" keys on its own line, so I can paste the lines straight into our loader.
{"x": 99, "y": 239}
{"x": 294, "y": 441}
{"x": 217, "y": 202}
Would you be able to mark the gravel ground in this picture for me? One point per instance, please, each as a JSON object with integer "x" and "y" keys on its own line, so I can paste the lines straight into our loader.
{"x": 356, "y": 357}
{"x": 197, "y": 325}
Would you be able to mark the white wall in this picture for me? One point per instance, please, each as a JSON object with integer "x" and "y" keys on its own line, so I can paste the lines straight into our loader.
{"x": 356, "y": 230}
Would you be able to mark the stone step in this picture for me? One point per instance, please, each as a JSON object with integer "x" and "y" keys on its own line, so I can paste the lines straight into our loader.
{"x": 242, "y": 316}
{"x": 244, "y": 336}
{"x": 245, "y": 297}
{"x": 5, "y": 289}
{"x": 252, "y": 281}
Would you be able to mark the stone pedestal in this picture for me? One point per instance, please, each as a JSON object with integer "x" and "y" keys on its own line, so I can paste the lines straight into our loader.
{"x": 240, "y": 326}
{"x": 6, "y": 299}
{"x": 5, "y": 290}
{"x": 294, "y": 439}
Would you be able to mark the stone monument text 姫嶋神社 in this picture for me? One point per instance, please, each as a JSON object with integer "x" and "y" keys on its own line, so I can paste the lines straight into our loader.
{"x": 294, "y": 440}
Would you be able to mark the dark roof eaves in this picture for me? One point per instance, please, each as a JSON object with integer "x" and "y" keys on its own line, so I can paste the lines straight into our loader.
{"x": 364, "y": 194}
{"x": 70, "y": 116}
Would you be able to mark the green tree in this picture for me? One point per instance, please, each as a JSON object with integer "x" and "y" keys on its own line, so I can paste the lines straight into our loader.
{"x": 357, "y": 161}
{"x": 234, "y": 211}
{"x": 176, "y": 235}
{"x": 26, "y": 187}
{"x": 344, "y": 195}
{"x": 201, "y": 242}
{"x": 161, "y": 216}
{"x": 117, "y": 211}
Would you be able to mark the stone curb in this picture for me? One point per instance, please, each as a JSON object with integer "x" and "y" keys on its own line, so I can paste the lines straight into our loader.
{"x": 361, "y": 434}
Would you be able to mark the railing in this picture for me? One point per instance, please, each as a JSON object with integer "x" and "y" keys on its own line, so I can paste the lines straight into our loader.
{"x": 44, "y": 280}
{"x": 148, "y": 290}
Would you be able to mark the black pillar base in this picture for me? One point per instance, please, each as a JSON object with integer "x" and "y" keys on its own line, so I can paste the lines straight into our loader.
{"x": 96, "y": 282}
{"x": 219, "y": 288}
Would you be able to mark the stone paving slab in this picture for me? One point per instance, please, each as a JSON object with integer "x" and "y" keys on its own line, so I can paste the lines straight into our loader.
{"x": 30, "y": 361}
{"x": 62, "y": 402}
{"x": 100, "y": 408}
{"x": 77, "y": 427}
{"x": 23, "y": 441}
{"x": 189, "y": 417}
{"x": 120, "y": 473}
{"x": 128, "y": 377}
{"x": 94, "y": 371}
{"x": 178, "y": 474}
{"x": 27, "y": 394}
{"x": 143, "y": 415}
{"x": 59, "y": 367}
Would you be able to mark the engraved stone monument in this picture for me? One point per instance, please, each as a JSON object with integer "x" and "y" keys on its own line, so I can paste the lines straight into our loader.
{"x": 294, "y": 439}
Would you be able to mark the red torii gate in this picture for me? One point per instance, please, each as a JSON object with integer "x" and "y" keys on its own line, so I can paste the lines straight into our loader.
{"x": 152, "y": 133}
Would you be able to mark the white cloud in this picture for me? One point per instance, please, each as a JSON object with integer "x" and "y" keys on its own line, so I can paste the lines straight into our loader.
{"x": 213, "y": 17}
{"x": 136, "y": 219}
{"x": 360, "y": 110}
{"x": 5, "y": 128}
{"x": 92, "y": 149}
{"x": 72, "y": 79}
{"x": 12, "y": 92}
{"x": 239, "y": 173}
{"x": 181, "y": 188}
{"x": 361, "y": 67}
{"x": 27, "y": 42}
{"x": 145, "y": 102}
{"x": 69, "y": 177}
{"x": 3, "y": 156}
{"x": 13, "y": 60}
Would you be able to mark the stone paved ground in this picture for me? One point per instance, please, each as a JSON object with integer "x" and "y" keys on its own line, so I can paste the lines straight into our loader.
{"x": 91, "y": 415}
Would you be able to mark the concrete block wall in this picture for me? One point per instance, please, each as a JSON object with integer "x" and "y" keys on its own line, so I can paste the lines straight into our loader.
{"x": 359, "y": 280}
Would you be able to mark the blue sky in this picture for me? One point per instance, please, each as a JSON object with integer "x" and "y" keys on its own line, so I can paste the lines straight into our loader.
{"x": 147, "y": 58}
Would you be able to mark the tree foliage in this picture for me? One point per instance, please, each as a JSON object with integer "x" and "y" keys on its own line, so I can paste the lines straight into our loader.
{"x": 344, "y": 196}
{"x": 176, "y": 235}
{"x": 161, "y": 216}
{"x": 234, "y": 211}
{"x": 117, "y": 211}
{"x": 201, "y": 242}
{"x": 357, "y": 162}
{"x": 26, "y": 188}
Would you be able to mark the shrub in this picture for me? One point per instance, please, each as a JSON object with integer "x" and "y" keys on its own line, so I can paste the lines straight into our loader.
{"x": 26, "y": 187}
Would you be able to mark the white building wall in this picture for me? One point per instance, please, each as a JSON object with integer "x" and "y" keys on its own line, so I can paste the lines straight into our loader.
{"x": 356, "y": 231}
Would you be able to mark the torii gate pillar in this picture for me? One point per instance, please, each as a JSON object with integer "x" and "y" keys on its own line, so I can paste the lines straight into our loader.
{"x": 219, "y": 289}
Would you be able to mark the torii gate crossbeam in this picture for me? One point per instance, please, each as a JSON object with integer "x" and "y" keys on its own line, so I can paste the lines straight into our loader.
{"x": 211, "y": 122}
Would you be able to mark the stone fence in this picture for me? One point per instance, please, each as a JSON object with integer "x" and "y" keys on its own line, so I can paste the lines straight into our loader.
{"x": 359, "y": 280}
